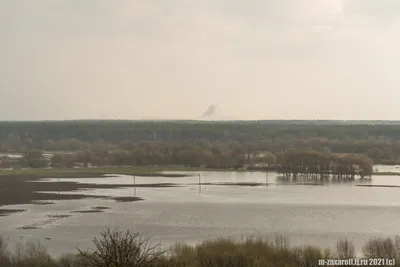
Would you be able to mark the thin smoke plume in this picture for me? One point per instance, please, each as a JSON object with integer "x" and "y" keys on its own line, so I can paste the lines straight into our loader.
{"x": 211, "y": 110}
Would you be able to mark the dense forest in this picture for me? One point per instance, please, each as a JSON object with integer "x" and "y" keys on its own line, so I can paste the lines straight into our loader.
{"x": 227, "y": 144}
{"x": 116, "y": 131}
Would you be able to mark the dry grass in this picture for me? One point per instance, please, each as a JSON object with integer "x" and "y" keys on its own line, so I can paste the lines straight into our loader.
{"x": 118, "y": 248}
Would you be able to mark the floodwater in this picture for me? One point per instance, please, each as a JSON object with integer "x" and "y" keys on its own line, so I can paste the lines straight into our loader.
{"x": 306, "y": 214}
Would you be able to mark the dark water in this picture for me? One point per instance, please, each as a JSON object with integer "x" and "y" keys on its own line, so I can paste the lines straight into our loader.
{"x": 305, "y": 213}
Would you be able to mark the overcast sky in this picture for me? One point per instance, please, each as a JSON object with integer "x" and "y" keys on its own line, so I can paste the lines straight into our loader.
{"x": 183, "y": 59}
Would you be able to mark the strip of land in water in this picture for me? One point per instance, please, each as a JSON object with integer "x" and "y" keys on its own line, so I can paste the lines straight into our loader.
{"x": 97, "y": 171}
{"x": 137, "y": 171}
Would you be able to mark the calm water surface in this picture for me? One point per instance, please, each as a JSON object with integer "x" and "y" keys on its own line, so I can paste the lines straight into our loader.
{"x": 309, "y": 214}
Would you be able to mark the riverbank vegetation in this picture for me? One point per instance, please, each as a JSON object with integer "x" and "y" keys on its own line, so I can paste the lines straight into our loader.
{"x": 120, "y": 248}
{"x": 155, "y": 157}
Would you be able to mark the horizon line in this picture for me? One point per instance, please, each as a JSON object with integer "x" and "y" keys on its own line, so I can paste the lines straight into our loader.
{"x": 204, "y": 120}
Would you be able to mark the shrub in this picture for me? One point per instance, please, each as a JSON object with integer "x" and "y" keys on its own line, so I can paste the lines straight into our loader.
{"x": 5, "y": 257}
{"x": 32, "y": 254}
{"x": 382, "y": 248}
{"x": 120, "y": 249}
{"x": 345, "y": 249}
{"x": 68, "y": 260}
{"x": 123, "y": 249}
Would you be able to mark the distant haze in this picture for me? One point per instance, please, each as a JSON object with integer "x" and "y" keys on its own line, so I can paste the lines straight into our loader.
{"x": 158, "y": 59}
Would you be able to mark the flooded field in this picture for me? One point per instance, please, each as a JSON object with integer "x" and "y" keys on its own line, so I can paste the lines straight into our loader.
{"x": 173, "y": 209}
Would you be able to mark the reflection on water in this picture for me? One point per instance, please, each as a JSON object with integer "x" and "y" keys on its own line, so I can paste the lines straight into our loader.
{"x": 282, "y": 180}
{"x": 305, "y": 213}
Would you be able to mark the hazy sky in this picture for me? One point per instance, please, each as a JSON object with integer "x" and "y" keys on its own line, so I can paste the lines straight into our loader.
{"x": 179, "y": 59}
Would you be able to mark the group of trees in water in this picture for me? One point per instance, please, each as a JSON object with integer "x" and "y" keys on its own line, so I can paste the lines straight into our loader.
{"x": 194, "y": 143}
{"x": 297, "y": 164}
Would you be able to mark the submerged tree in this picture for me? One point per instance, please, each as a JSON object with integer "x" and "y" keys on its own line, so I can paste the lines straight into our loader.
{"x": 319, "y": 165}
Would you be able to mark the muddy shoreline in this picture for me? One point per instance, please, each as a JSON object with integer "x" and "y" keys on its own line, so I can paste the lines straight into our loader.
{"x": 18, "y": 189}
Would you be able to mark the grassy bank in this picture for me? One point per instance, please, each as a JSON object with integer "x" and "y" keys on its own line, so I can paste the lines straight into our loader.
{"x": 113, "y": 248}
{"x": 87, "y": 172}
{"x": 139, "y": 171}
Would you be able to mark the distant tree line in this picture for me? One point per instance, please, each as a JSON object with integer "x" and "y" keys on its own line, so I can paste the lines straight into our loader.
{"x": 116, "y": 131}
{"x": 381, "y": 143}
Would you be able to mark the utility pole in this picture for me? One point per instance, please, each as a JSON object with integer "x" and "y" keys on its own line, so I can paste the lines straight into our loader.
{"x": 199, "y": 182}
{"x": 134, "y": 185}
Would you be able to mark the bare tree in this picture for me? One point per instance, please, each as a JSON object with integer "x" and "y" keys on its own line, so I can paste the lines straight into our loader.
{"x": 345, "y": 249}
{"x": 5, "y": 259}
{"x": 121, "y": 249}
